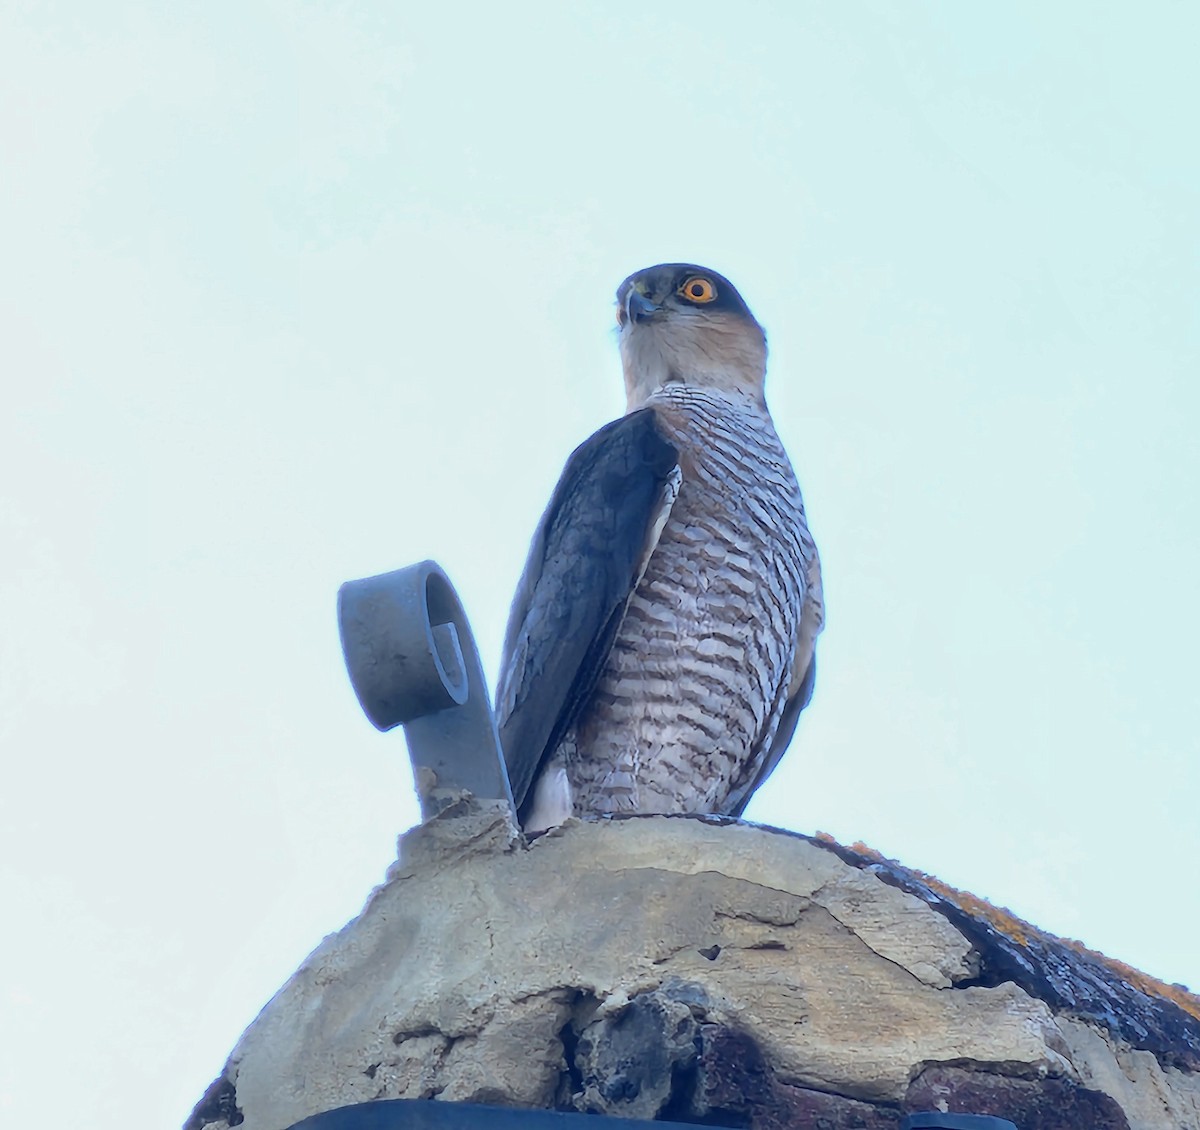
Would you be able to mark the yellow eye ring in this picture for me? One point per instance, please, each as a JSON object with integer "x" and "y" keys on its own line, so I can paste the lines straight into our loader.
{"x": 698, "y": 289}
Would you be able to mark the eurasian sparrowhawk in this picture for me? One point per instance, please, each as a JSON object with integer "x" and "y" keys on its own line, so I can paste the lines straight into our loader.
{"x": 661, "y": 642}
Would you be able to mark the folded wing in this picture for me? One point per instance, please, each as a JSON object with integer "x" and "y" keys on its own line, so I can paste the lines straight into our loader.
{"x": 587, "y": 556}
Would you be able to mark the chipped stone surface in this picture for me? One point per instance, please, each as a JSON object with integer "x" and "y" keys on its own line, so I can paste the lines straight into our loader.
{"x": 881, "y": 921}
{"x": 672, "y": 968}
{"x": 1151, "y": 1095}
{"x": 1142, "y": 1012}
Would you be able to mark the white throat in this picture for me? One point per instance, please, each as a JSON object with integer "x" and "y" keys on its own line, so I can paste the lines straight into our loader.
{"x": 716, "y": 354}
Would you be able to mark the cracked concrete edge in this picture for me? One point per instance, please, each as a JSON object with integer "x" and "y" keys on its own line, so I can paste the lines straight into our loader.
{"x": 1144, "y": 1012}
{"x": 942, "y": 958}
{"x": 893, "y": 923}
{"x": 800, "y": 869}
{"x": 465, "y": 826}
{"x": 472, "y": 830}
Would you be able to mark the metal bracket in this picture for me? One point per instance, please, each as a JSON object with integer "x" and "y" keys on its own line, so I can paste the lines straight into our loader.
{"x": 412, "y": 662}
{"x": 931, "y": 1119}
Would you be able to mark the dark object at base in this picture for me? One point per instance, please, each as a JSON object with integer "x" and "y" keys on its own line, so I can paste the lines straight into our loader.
{"x": 935, "y": 1120}
{"x": 428, "y": 1114}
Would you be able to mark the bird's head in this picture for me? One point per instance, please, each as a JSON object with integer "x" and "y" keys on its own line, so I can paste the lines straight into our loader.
{"x": 683, "y": 324}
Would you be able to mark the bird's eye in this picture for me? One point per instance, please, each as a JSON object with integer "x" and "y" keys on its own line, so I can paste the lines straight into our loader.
{"x": 697, "y": 289}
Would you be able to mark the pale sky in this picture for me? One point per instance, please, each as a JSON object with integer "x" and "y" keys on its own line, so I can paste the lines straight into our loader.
{"x": 296, "y": 293}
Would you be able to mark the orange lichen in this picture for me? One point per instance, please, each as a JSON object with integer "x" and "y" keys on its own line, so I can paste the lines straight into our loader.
{"x": 869, "y": 852}
{"x": 1143, "y": 982}
{"x": 1025, "y": 934}
{"x": 1000, "y": 918}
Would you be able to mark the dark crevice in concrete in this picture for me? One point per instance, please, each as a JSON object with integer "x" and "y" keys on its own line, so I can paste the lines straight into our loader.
{"x": 415, "y": 1033}
{"x": 583, "y": 1007}
{"x": 738, "y": 1087}
{"x": 681, "y": 1102}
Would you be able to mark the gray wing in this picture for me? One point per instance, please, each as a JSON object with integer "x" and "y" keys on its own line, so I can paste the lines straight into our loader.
{"x": 587, "y": 556}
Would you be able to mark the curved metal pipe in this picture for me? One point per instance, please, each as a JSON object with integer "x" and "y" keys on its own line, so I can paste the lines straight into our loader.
{"x": 413, "y": 662}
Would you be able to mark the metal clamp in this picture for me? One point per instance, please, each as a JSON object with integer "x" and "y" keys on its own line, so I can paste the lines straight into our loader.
{"x": 412, "y": 662}
{"x": 932, "y": 1119}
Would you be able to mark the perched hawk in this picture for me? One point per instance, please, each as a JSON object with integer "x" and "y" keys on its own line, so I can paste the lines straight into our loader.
{"x": 660, "y": 645}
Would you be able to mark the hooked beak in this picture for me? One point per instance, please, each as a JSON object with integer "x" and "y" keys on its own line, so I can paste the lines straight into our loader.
{"x": 638, "y": 307}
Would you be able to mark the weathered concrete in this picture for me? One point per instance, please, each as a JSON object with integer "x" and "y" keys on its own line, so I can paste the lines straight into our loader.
{"x": 697, "y": 970}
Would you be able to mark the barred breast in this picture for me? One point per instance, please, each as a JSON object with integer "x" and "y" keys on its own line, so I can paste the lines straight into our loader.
{"x": 692, "y": 692}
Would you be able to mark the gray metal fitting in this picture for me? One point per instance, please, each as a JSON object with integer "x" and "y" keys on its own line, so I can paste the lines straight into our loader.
{"x": 412, "y": 662}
